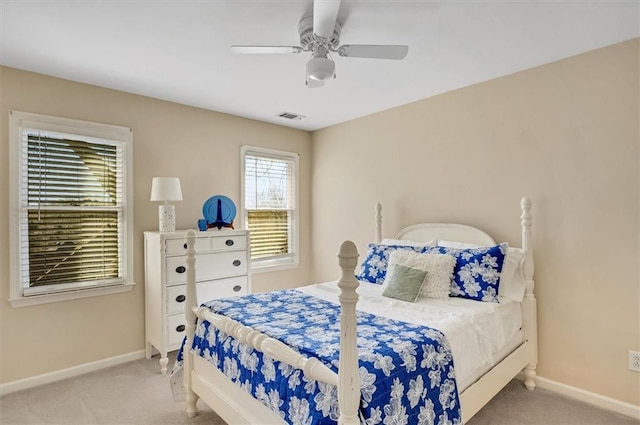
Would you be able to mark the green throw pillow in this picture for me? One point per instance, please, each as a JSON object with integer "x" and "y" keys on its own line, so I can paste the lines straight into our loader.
{"x": 404, "y": 283}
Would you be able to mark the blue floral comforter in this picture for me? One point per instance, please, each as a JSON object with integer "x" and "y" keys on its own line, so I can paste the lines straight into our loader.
{"x": 406, "y": 370}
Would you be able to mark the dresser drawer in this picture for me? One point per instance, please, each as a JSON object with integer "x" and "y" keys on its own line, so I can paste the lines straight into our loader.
{"x": 208, "y": 266}
{"x": 176, "y": 328}
{"x": 228, "y": 243}
{"x": 179, "y": 246}
{"x": 176, "y": 298}
{"x": 222, "y": 288}
{"x": 205, "y": 291}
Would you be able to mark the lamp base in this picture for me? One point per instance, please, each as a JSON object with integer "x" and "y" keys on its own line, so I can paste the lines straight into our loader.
{"x": 167, "y": 218}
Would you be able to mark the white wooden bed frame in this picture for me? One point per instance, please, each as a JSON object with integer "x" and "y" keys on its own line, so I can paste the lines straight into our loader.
{"x": 203, "y": 380}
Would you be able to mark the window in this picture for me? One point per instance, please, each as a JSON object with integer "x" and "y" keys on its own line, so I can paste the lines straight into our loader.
{"x": 71, "y": 209}
{"x": 269, "y": 205}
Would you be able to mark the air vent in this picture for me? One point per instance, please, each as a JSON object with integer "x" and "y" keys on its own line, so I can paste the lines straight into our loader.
{"x": 291, "y": 116}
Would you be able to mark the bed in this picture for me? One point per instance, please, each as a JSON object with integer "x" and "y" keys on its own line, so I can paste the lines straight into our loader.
{"x": 474, "y": 383}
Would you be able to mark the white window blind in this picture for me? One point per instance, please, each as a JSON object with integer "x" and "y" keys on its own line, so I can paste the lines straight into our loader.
{"x": 73, "y": 194}
{"x": 270, "y": 205}
{"x": 73, "y": 207}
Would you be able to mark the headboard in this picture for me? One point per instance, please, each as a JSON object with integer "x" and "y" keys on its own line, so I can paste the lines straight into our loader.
{"x": 445, "y": 231}
{"x": 424, "y": 232}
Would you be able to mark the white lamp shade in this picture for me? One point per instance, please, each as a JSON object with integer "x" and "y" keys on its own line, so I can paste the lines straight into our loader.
{"x": 166, "y": 189}
{"x": 320, "y": 68}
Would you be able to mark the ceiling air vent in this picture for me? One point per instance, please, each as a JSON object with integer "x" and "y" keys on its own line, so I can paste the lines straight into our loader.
{"x": 290, "y": 116}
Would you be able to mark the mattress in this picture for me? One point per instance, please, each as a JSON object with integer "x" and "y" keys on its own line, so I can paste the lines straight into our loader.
{"x": 480, "y": 333}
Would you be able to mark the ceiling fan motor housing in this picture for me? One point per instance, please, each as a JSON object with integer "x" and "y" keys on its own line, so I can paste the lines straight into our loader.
{"x": 308, "y": 41}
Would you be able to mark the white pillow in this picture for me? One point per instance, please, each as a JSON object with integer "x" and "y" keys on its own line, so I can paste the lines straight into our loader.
{"x": 512, "y": 273}
{"x": 439, "y": 268}
{"x": 512, "y": 283}
{"x": 405, "y": 242}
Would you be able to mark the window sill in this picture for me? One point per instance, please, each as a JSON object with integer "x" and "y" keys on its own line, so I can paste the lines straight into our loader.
{"x": 70, "y": 295}
{"x": 273, "y": 268}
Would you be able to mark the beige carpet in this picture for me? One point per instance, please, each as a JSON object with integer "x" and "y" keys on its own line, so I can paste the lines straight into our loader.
{"x": 136, "y": 393}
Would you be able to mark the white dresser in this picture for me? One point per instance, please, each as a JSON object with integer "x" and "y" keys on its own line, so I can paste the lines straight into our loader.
{"x": 222, "y": 270}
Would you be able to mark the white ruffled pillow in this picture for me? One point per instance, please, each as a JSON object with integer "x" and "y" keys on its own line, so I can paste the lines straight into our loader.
{"x": 439, "y": 268}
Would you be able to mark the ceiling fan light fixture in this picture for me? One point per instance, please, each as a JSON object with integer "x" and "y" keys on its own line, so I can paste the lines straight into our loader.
{"x": 320, "y": 68}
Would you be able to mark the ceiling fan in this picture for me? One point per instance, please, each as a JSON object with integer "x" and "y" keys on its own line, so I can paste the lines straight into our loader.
{"x": 320, "y": 35}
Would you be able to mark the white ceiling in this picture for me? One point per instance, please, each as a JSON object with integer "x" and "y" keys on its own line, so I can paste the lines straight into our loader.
{"x": 179, "y": 50}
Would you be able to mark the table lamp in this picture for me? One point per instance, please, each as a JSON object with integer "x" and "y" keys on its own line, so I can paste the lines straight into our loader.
{"x": 166, "y": 189}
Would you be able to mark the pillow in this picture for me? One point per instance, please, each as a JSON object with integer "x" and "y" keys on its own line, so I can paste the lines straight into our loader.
{"x": 374, "y": 267}
{"x": 402, "y": 282}
{"x": 477, "y": 271}
{"x": 439, "y": 277}
{"x": 512, "y": 283}
{"x": 405, "y": 242}
{"x": 439, "y": 268}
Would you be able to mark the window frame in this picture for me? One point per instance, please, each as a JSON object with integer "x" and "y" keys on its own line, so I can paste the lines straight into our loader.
{"x": 273, "y": 263}
{"x": 90, "y": 130}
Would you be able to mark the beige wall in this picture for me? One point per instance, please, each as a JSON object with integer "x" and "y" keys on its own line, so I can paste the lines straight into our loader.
{"x": 565, "y": 134}
{"x": 200, "y": 147}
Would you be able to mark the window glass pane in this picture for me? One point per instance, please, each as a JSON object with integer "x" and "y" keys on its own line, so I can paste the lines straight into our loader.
{"x": 72, "y": 246}
{"x": 269, "y": 232}
{"x": 71, "y": 172}
{"x": 268, "y": 183}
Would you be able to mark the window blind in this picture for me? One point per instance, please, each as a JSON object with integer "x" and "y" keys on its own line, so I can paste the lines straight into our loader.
{"x": 270, "y": 203}
{"x": 73, "y": 205}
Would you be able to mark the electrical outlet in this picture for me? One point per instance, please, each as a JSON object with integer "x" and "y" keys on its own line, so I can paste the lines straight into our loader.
{"x": 634, "y": 361}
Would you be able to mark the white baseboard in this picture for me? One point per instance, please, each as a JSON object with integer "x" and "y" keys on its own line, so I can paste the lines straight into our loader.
{"x": 589, "y": 397}
{"x": 59, "y": 375}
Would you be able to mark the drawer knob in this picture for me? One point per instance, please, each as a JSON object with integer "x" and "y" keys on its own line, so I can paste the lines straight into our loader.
{"x": 229, "y": 242}
{"x": 180, "y": 328}
{"x": 181, "y": 298}
{"x": 185, "y": 245}
{"x": 181, "y": 269}
{"x": 237, "y": 288}
{"x": 236, "y": 263}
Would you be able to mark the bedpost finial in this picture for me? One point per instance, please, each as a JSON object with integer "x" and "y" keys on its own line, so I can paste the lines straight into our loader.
{"x": 525, "y": 206}
{"x": 190, "y": 239}
{"x": 348, "y": 255}
{"x": 378, "y": 222}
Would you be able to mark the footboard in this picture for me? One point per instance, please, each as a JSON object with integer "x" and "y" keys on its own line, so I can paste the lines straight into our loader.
{"x": 198, "y": 384}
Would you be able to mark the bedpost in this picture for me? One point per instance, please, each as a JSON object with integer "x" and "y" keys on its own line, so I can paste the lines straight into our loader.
{"x": 348, "y": 372}
{"x": 529, "y": 324}
{"x": 378, "y": 222}
{"x": 190, "y": 304}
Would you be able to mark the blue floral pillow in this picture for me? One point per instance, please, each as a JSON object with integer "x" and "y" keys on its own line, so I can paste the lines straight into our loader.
{"x": 477, "y": 271}
{"x": 374, "y": 266}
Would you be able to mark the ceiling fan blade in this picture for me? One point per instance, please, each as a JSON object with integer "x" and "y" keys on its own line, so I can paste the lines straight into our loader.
{"x": 373, "y": 51}
{"x": 265, "y": 49}
{"x": 325, "y": 13}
